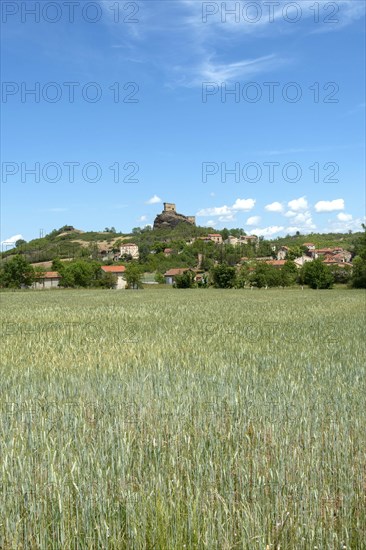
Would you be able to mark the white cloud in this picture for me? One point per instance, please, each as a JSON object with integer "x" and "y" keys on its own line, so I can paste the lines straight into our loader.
{"x": 224, "y": 219}
{"x": 268, "y": 231}
{"x": 344, "y": 217}
{"x": 293, "y": 229}
{"x": 227, "y": 212}
{"x": 154, "y": 200}
{"x": 329, "y": 206}
{"x": 243, "y": 204}
{"x": 253, "y": 220}
{"x": 10, "y": 241}
{"x": 298, "y": 204}
{"x": 214, "y": 211}
{"x": 142, "y": 219}
{"x": 300, "y": 217}
{"x": 274, "y": 207}
{"x": 338, "y": 226}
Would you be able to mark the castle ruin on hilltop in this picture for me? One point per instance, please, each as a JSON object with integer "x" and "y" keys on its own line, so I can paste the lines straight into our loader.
{"x": 169, "y": 218}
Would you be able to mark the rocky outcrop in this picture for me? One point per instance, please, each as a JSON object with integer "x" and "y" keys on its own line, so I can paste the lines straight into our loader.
{"x": 169, "y": 220}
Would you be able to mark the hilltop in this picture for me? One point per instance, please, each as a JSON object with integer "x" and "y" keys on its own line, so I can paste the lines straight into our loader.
{"x": 169, "y": 218}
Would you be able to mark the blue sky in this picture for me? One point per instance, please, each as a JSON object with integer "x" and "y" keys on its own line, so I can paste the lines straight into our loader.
{"x": 283, "y": 152}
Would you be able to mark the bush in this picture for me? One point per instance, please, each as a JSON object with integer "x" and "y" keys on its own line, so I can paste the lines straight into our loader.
{"x": 186, "y": 280}
{"x": 223, "y": 276}
{"x": 317, "y": 275}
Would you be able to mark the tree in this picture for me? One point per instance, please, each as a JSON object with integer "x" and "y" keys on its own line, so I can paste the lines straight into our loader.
{"x": 295, "y": 252}
{"x": 126, "y": 258}
{"x": 317, "y": 275}
{"x": 57, "y": 265}
{"x": 158, "y": 247}
{"x": 225, "y": 233}
{"x": 39, "y": 272}
{"x": 186, "y": 280}
{"x": 78, "y": 274}
{"x": 20, "y": 242}
{"x": 159, "y": 278}
{"x": 342, "y": 273}
{"x": 359, "y": 273}
{"x": 108, "y": 280}
{"x": 223, "y": 276}
{"x": 359, "y": 262}
{"x": 243, "y": 276}
{"x": 289, "y": 273}
{"x": 266, "y": 275}
{"x": 17, "y": 273}
{"x": 133, "y": 276}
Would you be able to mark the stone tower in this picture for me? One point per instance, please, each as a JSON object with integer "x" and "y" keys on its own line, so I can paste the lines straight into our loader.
{"x": 169, "y": 207}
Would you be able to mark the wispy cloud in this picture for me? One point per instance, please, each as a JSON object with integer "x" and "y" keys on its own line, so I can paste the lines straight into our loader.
{"x": 210, "y": 70}
{"x": 154, "y": 200}
{"x": 227, "y": 213}
{"x": 202, "y": 50}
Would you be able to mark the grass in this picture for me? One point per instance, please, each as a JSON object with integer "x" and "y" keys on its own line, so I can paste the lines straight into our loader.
{"x": 167, "y": 419}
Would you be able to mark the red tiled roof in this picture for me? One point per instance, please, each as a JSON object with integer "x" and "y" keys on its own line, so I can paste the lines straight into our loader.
{"x": 214, "y": 235}
{"x": 175, "y": 271}
{"x": 309, "y": 244}
{"x": 277, "y": 263}
{"x": 50, "y": 275}
{"x": 128, "y": 244}
{"x": 329, "y": 250}
{"x": 113, "y": 268}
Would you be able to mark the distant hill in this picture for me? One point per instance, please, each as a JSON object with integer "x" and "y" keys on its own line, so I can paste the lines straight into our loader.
{"x": 71, "y": 243}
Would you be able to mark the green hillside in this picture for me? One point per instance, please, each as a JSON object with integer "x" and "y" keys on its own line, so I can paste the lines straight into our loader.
{"x": 71, "y": 243}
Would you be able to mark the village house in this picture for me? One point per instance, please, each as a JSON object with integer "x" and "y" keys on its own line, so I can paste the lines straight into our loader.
{"x": 309, "y": 246}
{"x": 243, "y": 239}
{"x": 264, "y": 259}
{"x": 335, "y": 261}
{"x": 343, "y": 256}
{"x": 118, "y": 271}
{"x": 171, "y": 274}
{"x": 302, "y": 260}
{"x": 130, "y": 249}
{"x": 168, "y": 252}
{"x": 215, "y": 237}
{"x": 337, "y": 252}
{"x": 231, "y": 240}
{"x": 49, "y": 279}
{"x": 282, "y": 252}
{"x": 278, "y": 264}
{"x": 248, "y": 239}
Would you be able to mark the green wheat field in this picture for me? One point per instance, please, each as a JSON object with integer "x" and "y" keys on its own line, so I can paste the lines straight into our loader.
{"x": 183, "y": 419}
